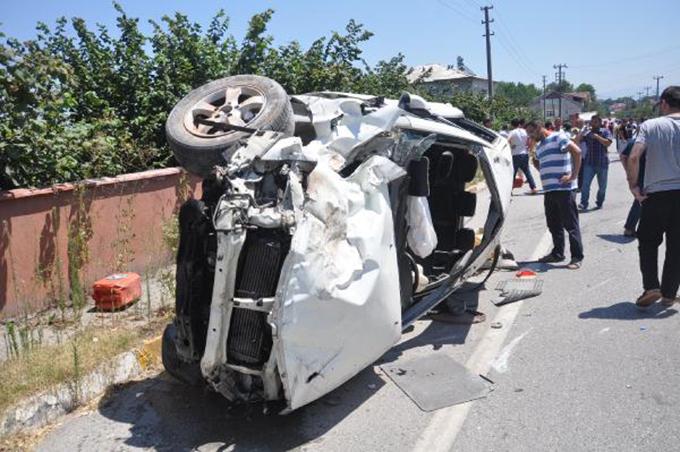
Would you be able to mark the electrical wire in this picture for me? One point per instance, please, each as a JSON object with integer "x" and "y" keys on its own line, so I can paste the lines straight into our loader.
{"x": 457, "y": 10}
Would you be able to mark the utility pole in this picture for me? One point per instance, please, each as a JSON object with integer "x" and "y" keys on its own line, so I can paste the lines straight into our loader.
{"x": 640, "y": 93}
{"x": 486, "y": 22}
{"x": 657, "y": 78}
{"x": 544, "y": 79}
{"x": 647, "y": 88}
{"x": 560, "y": 76}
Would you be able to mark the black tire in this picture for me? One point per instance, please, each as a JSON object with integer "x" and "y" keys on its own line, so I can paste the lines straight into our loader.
{"x": 199, "y": 154}
{"x": 189, "y": 373}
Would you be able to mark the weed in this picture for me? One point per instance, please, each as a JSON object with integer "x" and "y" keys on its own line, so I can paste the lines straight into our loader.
{"x": 21, "y": 338}
{"x": 124, "y": 235}
{"x": 79, "y": 234}
{"x": 166, "y": 278}
{"x": 147, "y": 283}
{"x": 171, "y": 234}
{"x": 183, "y": 188}
{"x": 12, "y": 341}
{"x": 75, "y": 382}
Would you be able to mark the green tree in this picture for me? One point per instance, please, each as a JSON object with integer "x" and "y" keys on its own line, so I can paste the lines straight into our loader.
{"x": 79, "y": 102}
{"x": 586, "y": 87}
{"x": 518, "y": 93}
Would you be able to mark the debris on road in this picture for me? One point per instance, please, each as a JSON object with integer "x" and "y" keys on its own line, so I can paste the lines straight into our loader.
{"x": 526, "y": 273}
{"x": 518, "y": 289}
{"x": 497, "y": 325}
{"x": 427, "y": 381}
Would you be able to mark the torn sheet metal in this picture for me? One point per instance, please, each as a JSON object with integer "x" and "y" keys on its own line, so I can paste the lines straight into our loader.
{"x": 338, "y": 306}
{"x": 343, "y": 124}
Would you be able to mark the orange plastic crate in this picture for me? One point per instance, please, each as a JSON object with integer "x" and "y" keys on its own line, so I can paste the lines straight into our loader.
{"x": 117, "y": 291}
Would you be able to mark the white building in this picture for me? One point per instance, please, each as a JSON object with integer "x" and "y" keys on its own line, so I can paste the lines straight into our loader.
{"x": 445, "y": 80}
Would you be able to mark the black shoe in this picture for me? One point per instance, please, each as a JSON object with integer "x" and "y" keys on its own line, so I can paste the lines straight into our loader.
{"x": 551, "y": 259}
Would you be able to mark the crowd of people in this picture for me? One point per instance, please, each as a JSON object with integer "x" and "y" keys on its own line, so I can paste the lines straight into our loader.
{"x": 570, "y": 156}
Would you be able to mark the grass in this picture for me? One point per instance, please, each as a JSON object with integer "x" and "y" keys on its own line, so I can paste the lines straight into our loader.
{"x": 43, "y": 367}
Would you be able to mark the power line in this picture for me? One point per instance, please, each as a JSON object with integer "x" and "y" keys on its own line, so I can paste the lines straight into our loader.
{"x": 511, "y": 46}
{"x": 631, "y": 58}
{"x": 515, "y": 45}
{"x": 457, "y": 11}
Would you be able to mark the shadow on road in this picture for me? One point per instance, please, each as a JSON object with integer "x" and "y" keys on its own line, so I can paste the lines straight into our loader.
{"x": 540, "y": 267}
{"x": 627, "y": 310}
{"x": 617, "y": 238}
{"x": 167, "y": 415}
{"x": 439, "y": 333}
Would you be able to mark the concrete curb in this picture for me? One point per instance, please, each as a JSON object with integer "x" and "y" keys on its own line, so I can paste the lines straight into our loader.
{"x": 41, "y": 409}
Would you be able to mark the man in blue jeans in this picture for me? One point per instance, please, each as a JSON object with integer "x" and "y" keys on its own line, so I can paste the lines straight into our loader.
{"x": 596, "y": 162}
{"x": 520, "y": 152}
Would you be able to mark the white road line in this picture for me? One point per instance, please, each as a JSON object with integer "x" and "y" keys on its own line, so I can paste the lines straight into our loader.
{"x": 500, "y": 364}
{"x": 441, "y": 432}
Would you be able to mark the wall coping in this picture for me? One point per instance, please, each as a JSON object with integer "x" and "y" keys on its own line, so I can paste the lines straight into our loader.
{"x": 18, "y": 193}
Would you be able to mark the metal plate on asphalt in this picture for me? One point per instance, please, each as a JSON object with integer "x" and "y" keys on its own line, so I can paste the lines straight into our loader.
{"x": 436, "y": 381}
{"x": 518, "y": 289}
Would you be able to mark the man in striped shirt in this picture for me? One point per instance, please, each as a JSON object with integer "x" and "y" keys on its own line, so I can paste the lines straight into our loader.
{"x": 559, "y": 160}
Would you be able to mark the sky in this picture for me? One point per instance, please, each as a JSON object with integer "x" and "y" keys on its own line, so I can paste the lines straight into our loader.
{"x": 617, "y": 46}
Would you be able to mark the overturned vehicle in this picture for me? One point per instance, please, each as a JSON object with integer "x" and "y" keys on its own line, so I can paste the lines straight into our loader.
{"x": 328, "y": 223}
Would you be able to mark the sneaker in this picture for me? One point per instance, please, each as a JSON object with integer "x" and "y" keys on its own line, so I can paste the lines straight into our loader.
{"x": 582, "y": 208}
{"x": 598, "y": 207}
{"x": 648, "y": 298}
{"x": 551, "y": 258}
{"x": 533, "y": 191}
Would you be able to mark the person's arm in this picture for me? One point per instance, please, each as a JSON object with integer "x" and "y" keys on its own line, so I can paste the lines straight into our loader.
{"x": 579, "y": 137}
{"x": 575, "y": 152}
{"x": 633, "y": 170}
{"x": 604, "y": 140}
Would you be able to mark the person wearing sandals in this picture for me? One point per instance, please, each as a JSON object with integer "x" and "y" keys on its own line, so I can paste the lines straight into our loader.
{"x": 659, "y": 141}
{"x": 559, "y": 159}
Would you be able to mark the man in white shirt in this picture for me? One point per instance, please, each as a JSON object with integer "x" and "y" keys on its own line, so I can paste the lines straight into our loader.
{"x": 520, "y": 152}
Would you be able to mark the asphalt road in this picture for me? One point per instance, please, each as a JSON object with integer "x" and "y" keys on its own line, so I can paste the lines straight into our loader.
{"x": 578, "y": 368}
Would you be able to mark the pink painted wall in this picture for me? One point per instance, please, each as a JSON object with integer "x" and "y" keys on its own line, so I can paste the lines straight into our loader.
{"x": 127, "y": 212}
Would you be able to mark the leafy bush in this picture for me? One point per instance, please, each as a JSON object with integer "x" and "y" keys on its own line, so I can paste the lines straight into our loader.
{"x": 77, "y": 103}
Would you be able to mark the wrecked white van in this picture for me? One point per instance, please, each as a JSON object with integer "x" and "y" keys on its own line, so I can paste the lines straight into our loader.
{"x": 328, "y": 223}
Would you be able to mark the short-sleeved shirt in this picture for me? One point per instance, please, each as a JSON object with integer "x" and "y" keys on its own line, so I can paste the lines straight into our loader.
{"x": 555, "y": 162}
{"x": 662, "y": 139}
{"x": 641, "y": 174}
{"x": 597, "y": 152}
{"x": 518, "y": 141}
